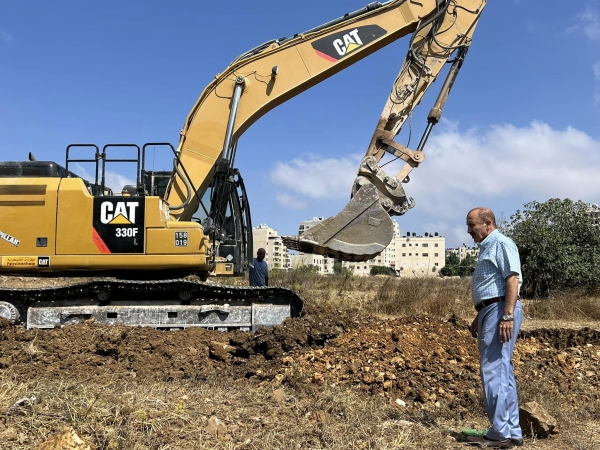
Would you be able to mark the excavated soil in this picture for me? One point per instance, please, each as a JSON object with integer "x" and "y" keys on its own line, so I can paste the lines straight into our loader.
{"x": 418, "y": 359}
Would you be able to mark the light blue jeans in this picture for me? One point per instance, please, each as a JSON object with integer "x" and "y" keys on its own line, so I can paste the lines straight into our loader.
{"x": 497, "y": 375}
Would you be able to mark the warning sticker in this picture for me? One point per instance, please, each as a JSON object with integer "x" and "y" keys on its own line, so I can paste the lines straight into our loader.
{"x": 19, "y": 261}
{"x": 25, "y": 261}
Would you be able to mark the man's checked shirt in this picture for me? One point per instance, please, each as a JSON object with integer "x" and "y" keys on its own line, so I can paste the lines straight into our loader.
{"x": 498, "y": 258}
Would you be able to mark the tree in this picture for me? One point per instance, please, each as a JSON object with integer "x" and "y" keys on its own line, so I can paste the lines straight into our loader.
{"x": 467, "y": 266}
{"x": 451, "y": 268}
{"x": 382, "y": 270}
{"x": 309, "y": 268}
{"x": 339, "y": 269}
{"x": 558, "y": 245}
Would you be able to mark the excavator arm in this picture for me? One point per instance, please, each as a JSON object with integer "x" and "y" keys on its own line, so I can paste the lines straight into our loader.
{"x": 278, "y": 70}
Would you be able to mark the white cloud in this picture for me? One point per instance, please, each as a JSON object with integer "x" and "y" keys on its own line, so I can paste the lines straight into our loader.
{"x": 113, "y": 180}
{"x": 499, "y": 166}
{"x": 6, "y": 36}
{"x": 290, "y": 201}
{"x": 588, "y": 23}
{"x": 116, "y": 181}
{"x": 596, "y": 68}
{"x": 316, "y": 177}
{"x": 465, "y": 169}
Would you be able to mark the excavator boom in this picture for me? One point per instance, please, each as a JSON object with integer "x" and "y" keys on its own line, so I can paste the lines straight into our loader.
{"x": 278, "y": 70}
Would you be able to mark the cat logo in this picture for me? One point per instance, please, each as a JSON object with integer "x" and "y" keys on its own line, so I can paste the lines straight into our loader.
{"x": 43, "y": 261}
{"x": 118, "y": 224}
{"x": 348, "y": 43}
{"x": 339, "y": 45}
{"x": 120, "y": 213}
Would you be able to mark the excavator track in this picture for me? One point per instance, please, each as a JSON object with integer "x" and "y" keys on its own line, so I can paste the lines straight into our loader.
{"x": 169, "y": 303}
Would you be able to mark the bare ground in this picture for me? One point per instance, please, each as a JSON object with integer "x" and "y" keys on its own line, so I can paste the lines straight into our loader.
{"x": 330, "y": 379}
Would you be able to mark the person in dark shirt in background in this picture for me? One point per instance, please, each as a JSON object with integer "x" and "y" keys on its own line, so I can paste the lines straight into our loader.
{"x": 259, "y": 274}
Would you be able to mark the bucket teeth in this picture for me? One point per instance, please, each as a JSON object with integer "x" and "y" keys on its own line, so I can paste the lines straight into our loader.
{"x": 362, "y": 230}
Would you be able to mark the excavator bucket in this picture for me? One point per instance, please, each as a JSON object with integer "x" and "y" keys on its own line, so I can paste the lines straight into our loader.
{"x": 362, "y": 230}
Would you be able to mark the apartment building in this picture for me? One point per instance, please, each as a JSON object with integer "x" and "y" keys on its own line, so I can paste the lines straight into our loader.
{"x": 276, "y": 253}
{"x": 463, "y": 251}
{"x": 420, "y": 256}
{"x": 324, "y": 264}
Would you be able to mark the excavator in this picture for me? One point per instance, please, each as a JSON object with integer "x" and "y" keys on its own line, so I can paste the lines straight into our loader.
{"x": 142, "y": 256}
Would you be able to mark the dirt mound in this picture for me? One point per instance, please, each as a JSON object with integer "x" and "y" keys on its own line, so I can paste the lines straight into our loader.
{"x": 91, "y": 350}
{"x": 422, "y": 361}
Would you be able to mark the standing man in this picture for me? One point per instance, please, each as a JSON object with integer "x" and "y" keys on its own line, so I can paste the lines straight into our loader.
{"x": 496, "y": 284}
{"x": 259, "y": 274}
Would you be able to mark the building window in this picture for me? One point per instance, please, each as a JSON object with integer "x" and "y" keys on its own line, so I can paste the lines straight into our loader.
{"x": 425, "y": 254}
{"x": 410, "y": 254}
{"x": 403, "y": 254}
{"x": 436, "y": 255}
{"x": 410, "y": 245}
{"x": 436, "y": 264}
{"x": 403, "y": 245}
{"x": 416, "y": 254}
{"x": 425, "y": 245}
{"x": 416, "y": 245}
{"x": 436, "y": 245}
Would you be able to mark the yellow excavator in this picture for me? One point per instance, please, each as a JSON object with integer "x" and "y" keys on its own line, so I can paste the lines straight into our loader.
{"x": 127, "y": 257}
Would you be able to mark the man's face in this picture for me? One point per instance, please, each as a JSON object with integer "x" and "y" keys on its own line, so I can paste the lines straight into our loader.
{"x": 477, "y": 228}
{"x": 260, "y": 254}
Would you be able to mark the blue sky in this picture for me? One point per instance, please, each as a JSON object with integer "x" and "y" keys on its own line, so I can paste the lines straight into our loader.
{"x": 521, "y": 123}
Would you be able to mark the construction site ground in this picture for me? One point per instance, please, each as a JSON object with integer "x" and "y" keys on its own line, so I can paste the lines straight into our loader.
{"x": 337, "y": 377}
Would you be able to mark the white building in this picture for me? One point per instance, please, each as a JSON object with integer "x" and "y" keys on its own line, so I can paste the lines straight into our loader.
{"x": 324, "y": 264}
{"x": 463, "y": 251}
{"x": 276, "y": 253}
{"x": 420, "y": 256}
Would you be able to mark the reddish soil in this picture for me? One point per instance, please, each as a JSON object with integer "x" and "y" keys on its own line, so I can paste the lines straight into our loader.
{"x": 419, "y": 360}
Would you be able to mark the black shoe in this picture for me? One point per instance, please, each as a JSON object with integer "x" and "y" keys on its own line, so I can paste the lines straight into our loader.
{"x": 517, "y": 442}
{"x": 482, "y": 441}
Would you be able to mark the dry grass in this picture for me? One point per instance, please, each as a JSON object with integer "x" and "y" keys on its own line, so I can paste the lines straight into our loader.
{"x": 383, "y": 295}
{"x": 570, "y": 305}
{"x": 441, "y": 298}
{"x": 174, "y": 416}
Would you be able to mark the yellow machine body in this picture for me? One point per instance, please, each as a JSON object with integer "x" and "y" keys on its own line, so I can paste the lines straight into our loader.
{"x": 55, "y": 224}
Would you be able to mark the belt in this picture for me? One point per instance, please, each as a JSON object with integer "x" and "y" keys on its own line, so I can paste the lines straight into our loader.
{"x": 488, "y": 302}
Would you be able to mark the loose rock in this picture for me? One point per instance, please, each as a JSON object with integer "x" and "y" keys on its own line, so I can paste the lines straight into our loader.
{"x": 536, "y": 421}
{"x": 67, "y": 440}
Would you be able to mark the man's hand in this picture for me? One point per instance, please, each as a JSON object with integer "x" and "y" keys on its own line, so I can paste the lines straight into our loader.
{"x": 506, "y": 331}
{"x": 473, "y": 327}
